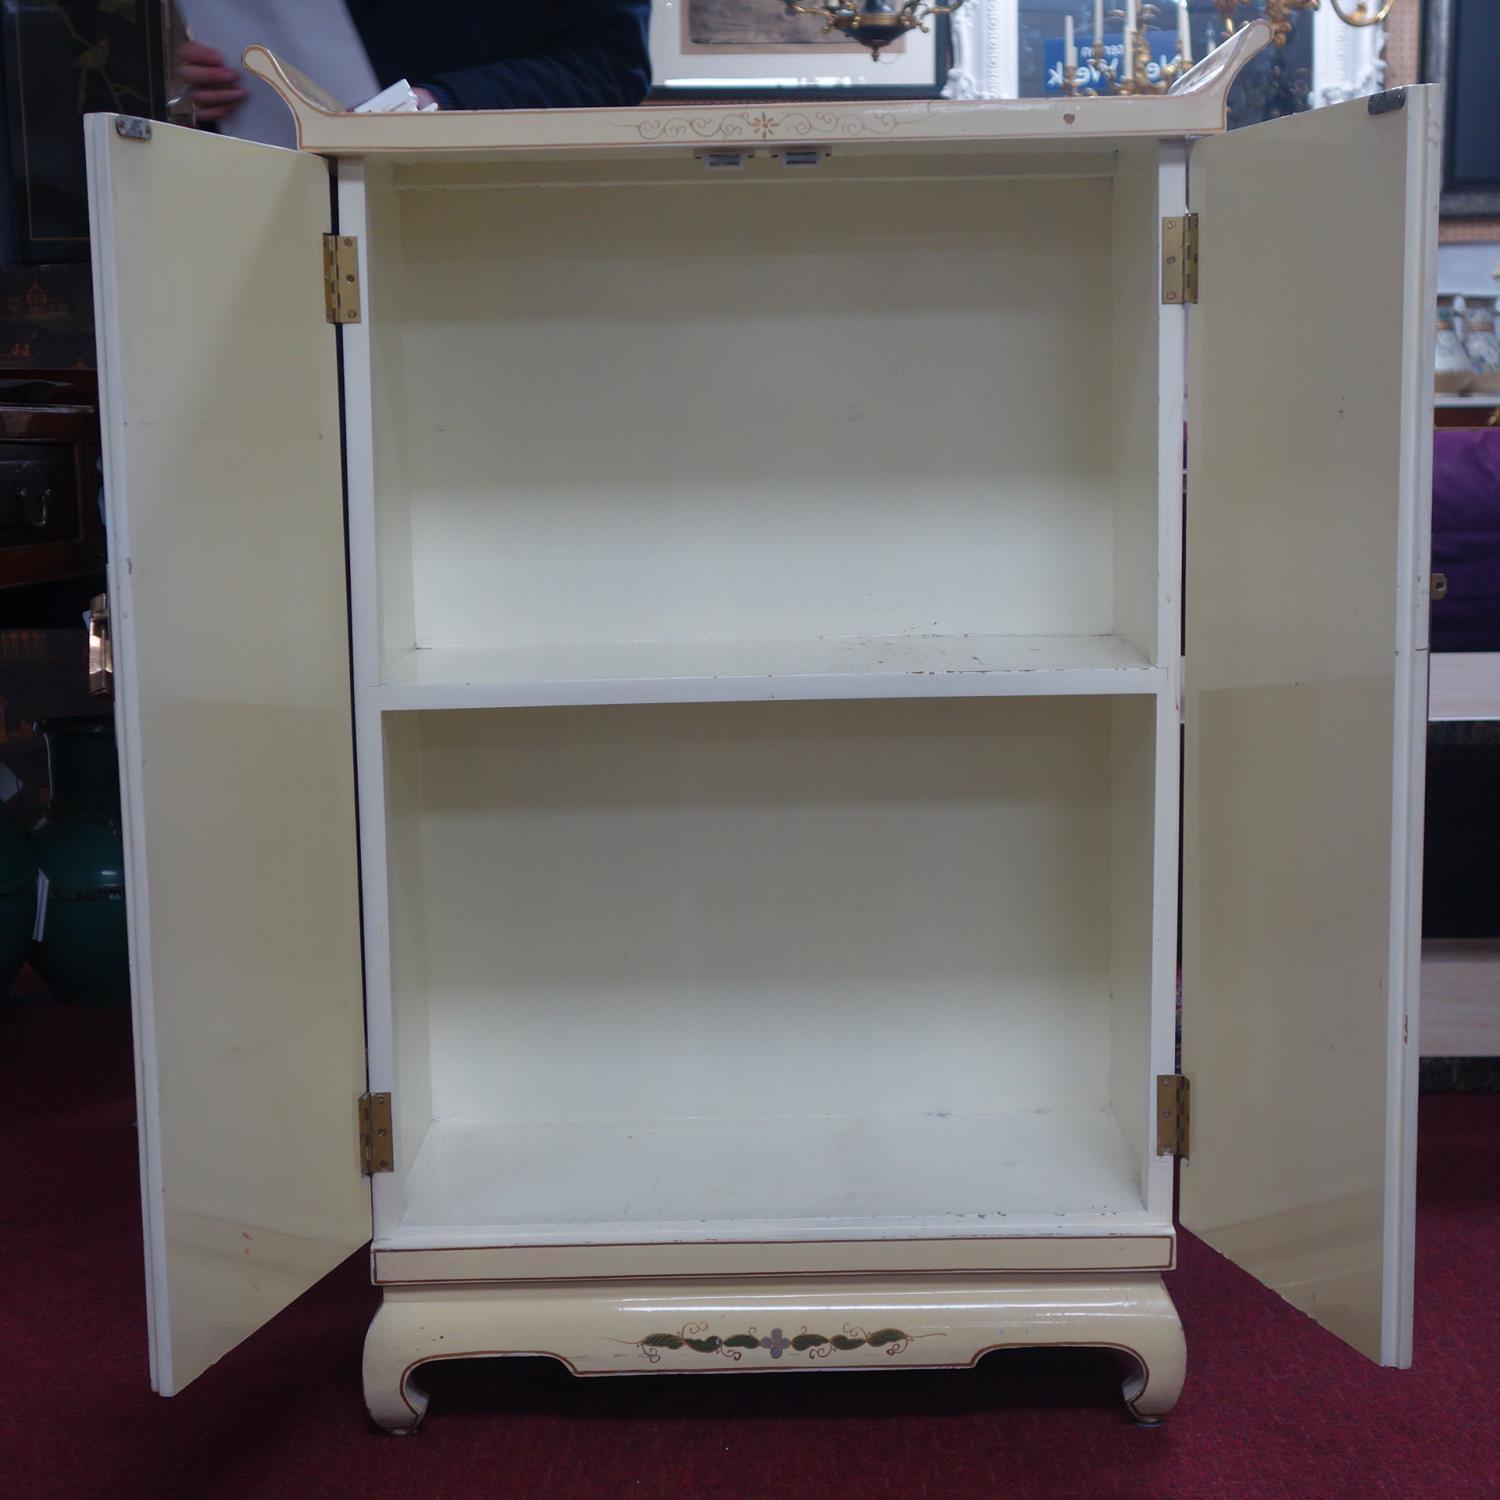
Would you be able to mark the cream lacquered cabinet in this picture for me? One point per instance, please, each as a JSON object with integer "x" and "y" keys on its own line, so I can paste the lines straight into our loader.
{"x": 748, "y": 857}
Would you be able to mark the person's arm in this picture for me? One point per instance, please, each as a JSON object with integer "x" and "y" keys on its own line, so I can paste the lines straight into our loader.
{"x": 596, "y": 56}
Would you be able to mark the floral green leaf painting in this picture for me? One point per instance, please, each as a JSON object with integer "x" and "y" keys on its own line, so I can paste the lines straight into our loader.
{"x": 774, "y": 1345}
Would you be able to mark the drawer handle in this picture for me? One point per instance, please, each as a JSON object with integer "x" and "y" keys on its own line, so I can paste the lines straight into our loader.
{"x": 37, "y": 508}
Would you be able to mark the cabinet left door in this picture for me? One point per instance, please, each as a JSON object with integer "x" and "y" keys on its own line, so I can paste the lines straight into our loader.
{"x": 229, "y": 615}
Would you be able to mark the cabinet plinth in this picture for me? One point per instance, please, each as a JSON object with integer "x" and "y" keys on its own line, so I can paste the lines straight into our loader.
{"x": 779, "y": 1327}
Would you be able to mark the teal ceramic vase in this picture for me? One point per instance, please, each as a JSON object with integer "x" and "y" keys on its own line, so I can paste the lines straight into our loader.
{"x": 17, "y": 900}
{"x": 83, "y": 956}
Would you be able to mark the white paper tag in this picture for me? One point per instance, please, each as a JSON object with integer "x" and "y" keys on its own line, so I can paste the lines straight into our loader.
{"x": 41, "y": 907}
{"x": 398, "y": 99}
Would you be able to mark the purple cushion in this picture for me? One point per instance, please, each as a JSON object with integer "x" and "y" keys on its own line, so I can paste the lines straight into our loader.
{"x": 1466, "y": 538}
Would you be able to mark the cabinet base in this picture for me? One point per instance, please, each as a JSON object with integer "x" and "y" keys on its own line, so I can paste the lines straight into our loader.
{"x": 640, "y": 1328}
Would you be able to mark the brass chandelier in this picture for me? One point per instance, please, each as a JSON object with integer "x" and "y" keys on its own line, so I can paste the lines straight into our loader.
{"x": 875, "y": 23}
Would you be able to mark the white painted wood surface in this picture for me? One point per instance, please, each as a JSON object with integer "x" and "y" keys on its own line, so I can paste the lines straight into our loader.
{"x": 1461, "y": 997}
{"x": 481, "y": 171}
{"x": 226, "y": 539}
{"x": 1307, "y": 533}
{"x": 1168, "y": 332}
{"x": 1465, "y": 685}
{"x": 1118, "y": 1242}
{"x": 945, "y": 1322}
{"x": 1145, "y": 404}
{"x": 674, "y": 415}
{"x": 380, "y": 601}
{"x": 866, "y": 1176}
{"x": 768, "y": 909}
{"x": 725, "y": 671}
{"x": 1195, "y": 106}
{"x": 1142, "y": 901}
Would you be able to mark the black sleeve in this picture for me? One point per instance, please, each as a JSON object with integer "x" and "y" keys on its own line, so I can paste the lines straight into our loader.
{"x": 597, "y": 56}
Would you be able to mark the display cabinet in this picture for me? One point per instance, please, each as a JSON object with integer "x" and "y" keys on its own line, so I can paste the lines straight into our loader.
{"x": 739, "y": 894}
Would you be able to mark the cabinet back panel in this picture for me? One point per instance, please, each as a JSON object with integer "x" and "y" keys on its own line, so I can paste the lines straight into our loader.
{"x": 760, "y": 409}
{"x": 767, "y": 909}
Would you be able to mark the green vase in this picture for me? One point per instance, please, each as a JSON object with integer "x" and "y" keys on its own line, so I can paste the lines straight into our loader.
{"x": 17, "y": 900}
{"x": 83, "y": 955}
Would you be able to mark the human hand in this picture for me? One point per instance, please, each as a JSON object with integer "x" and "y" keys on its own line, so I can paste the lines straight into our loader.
{"x": 213, "y": 87}
{"x": 425, "y": 98}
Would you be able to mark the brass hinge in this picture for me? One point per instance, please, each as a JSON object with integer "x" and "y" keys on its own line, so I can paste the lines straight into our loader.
{"x": 341, "y": 278}
{"x": 101, "y": 657}
{"x": 1438, "y": 586}
{"x": 375, "y": 1152}
{"x": 1179, "y": 259}
{"x": 1173, "y": 1117}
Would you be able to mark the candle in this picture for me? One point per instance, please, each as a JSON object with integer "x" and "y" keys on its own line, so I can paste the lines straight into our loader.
{"x": 1128, "y": 65}
{"x": 1098, "y": 23}
{"x": 1130, "y": 15}
{"x": 1070, "y": 52}
{"x": 1184, "y": 36}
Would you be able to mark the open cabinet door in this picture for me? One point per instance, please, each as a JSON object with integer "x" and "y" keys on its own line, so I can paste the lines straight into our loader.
{"x": 1309, "y": 450}
{"x": 224, "y": 503}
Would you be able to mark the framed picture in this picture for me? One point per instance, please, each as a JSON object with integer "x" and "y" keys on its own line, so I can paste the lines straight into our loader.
{"x": 762, "y": 49}
{"x": 1459, "y": 52}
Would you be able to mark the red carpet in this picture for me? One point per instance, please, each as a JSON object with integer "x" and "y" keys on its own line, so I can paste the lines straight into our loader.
{"x": 1274, "y": 1407}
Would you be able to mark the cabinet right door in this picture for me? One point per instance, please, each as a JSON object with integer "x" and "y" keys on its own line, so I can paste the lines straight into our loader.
{"x": 1309, "y": 474}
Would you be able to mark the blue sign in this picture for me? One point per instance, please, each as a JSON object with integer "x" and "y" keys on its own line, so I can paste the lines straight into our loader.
{"x": 1163, "y": 46}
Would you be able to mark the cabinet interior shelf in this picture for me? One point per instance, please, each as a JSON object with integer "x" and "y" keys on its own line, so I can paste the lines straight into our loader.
{"x": 936, "y": 1173}
{"x": 936, "y": 666}
{"x": 1479, "y": 402}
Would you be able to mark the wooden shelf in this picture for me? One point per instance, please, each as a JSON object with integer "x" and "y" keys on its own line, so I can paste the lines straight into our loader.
{"x": 1480, "y": 402}
{"x": 1461, "y": 997}
{"x": 951, "y": 666}
{"x": 1464, "y": 685}
{"x": 776, "y": 1177}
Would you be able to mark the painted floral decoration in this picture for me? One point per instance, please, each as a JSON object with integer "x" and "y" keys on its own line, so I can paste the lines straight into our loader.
{"x": 695, "y": 1336}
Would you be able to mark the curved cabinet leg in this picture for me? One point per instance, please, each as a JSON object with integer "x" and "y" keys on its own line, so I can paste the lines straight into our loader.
{"x": 395, "y": 1401}
{"x": 631, "y": 1328}
{"x": 1160, "y": 1352}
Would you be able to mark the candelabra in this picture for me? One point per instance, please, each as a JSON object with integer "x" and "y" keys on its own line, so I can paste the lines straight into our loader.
{"x": 1362, "y": 14}
{"x": 1279, "y": 14}
{"x": 878, "y": 23}
{"x": 875, "y": 23}
{"x": 1139, "y": 74}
